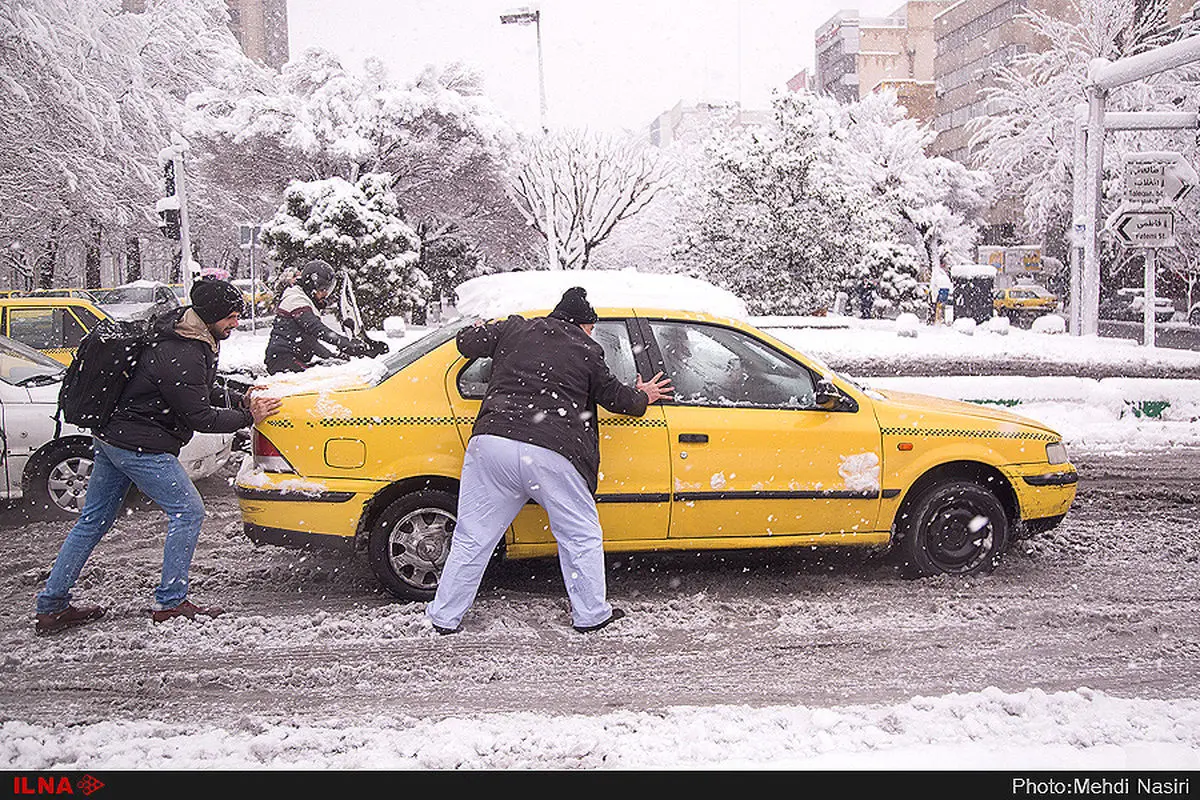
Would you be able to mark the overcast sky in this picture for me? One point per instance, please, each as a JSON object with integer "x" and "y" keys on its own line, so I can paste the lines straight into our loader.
{"x": 607, "y": 63}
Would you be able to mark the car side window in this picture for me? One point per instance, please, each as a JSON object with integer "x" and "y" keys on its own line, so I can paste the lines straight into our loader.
{"x": 39, "y": 328}
{"x": 73, "y": 331}
{"x": 714, "y": 366}
{"x": 611, "y": 335}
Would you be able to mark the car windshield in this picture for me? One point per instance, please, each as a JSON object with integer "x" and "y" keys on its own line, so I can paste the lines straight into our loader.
{"x": 23, "y": 366}
{"x": 126, "y": 294}
{"x": 421, "y": 347}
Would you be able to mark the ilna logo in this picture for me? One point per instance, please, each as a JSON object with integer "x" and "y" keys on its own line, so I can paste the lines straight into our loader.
{"x": 49, "y": 784}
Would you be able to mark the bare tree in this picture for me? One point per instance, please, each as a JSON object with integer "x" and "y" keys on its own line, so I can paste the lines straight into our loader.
{"x": 595, "y": 180}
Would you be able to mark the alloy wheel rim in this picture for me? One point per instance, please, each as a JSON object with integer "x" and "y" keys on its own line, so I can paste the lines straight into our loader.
{"x": 67, "y": 483}
{"x": 418, "y": 545}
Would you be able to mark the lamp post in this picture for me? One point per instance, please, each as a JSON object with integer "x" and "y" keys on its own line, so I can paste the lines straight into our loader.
{"x": 526, "y": 16}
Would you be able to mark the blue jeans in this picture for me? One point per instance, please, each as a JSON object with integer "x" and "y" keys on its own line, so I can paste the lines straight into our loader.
{"x": 160, "y": 477}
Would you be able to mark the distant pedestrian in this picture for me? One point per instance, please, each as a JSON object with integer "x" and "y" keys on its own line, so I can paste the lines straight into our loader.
{"x": 166, "y": 399}
{"x": 536, "y": 438}
{"x": 298, "y": 336}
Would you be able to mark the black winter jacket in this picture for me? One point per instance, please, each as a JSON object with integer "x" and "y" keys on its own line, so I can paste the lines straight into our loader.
{"x": 297, "y": 334}
{"x": 547, "y": 378}
{"x": 169, "y": 395}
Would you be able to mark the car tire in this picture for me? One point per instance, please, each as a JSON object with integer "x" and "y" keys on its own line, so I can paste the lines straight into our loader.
{"x": 57, "y": 479}
{"x": 409, "y": 543}
{"x": 954, "y": 527}
{"x": 1194, "y": 317}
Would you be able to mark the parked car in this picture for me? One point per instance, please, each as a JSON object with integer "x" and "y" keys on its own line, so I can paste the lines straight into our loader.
{"x": 79, "y": 294}
{"x": 1129, "y": 305}
{"x": 53, "y": 325}
{"x": 1193, "y": 315}
{"x": 6, "y": 293}
{"x": 51, "y": 472}
{"x": 140, "y": 300}
{"x": 1024, "y": 299}
{"x": 262, "y": 297}
{"x": 762, "y": 447}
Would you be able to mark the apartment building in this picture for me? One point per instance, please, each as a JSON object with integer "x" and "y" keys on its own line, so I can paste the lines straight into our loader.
{"x": 857, "y": 55}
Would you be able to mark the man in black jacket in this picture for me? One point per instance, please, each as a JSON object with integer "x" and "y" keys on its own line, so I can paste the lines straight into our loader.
{"x": 536, "y": 438}
{"x": 165, "y": 400}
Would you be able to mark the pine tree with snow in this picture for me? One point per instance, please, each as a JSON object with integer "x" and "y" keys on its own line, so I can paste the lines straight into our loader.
{"x": 359, "y": 228}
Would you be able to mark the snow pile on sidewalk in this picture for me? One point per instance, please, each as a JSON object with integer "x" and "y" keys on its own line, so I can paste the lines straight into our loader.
{"x": 987, "y": 730}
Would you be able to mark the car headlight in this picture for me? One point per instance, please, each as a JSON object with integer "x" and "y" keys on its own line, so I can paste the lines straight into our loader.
{"x": 1056, "y": 453}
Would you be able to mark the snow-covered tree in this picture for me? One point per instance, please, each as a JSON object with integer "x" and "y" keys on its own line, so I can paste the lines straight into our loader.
{"x": 786, "y": 210}
{"x": 894, "y": 271}
{"x": 357, "y": 227}
{"x": 594, "y": 181}
{"x": 1027, "y": 140}
{"x": 89, "y": 94}
{"x": 441, "y": 140}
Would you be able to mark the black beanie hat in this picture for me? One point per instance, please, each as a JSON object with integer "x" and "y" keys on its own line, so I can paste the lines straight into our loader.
{"x": 574, "y": 307}
{"x": 215, "y": 300}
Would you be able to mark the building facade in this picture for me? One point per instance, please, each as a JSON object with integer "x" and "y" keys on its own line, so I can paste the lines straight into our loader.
{"x": 261, "y": 27}
{"x": 857, "y": 55}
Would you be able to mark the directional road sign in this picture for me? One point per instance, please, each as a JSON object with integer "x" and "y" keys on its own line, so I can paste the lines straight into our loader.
{"x": 1149, "y": 228}
{"x": 1157, "y": 179}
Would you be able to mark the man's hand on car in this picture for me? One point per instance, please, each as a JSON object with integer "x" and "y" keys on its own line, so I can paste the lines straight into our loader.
{"x": 657, "y": 388}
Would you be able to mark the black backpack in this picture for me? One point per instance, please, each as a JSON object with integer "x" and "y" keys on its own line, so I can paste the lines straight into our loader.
{"x": 102, "y": 366}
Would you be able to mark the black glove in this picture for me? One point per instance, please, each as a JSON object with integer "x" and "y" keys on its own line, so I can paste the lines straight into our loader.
{"x": 355, "y": 348}
{"x": 375, "y": 347}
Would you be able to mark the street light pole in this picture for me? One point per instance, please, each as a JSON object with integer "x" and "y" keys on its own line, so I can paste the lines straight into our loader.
{"x": 525, "y": 16}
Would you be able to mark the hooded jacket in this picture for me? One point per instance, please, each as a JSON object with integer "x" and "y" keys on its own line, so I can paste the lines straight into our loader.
{"x": 168, "y": 397}
{"x": 547, "y": 378}
{"x": 297, "y": 334}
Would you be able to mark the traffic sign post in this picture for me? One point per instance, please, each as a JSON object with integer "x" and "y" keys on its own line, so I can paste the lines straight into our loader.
{"x": 1144, "y": 227}
{"x": 248, "y": 238}
{"x": 1157, "y": 179}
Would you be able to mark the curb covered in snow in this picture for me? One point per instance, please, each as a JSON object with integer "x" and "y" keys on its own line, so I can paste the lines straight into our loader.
{"x": 1152, "y": 398}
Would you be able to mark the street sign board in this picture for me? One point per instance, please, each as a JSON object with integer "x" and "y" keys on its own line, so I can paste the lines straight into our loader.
{"x": 1144, "y": 228}
{"x": 1157, "y": 179}
{"x": 248, "y": 234}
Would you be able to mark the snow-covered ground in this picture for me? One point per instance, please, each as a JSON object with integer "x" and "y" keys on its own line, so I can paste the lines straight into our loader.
{"x": 985, "y": 730}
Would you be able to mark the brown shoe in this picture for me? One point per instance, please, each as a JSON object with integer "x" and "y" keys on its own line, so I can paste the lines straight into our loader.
{"x": 186, "y": 609}
{"x": 69, "y": 617}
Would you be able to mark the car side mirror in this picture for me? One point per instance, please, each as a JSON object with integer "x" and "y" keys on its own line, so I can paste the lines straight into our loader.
{"x": 830, "y": 398}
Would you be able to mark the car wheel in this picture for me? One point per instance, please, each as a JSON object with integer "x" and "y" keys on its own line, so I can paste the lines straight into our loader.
{"x": 409, "y": 543}
{"x": 954, "y": 528}
{"x": 1194, "y": 317}
{"x": 58, "y": 480}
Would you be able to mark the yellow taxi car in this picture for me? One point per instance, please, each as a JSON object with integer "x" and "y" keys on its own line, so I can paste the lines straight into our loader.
{"x": 53, "y": 325}
{"x": 1024, "y": 299}
{"x": 260, "y": 295}
{"x": 762, "y": 446}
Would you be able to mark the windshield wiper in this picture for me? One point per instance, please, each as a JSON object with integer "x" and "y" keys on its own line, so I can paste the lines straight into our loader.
{"x": 38, "y": 380}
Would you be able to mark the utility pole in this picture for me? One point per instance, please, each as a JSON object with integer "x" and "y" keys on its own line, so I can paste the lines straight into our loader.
{"x": 526, "y": 16}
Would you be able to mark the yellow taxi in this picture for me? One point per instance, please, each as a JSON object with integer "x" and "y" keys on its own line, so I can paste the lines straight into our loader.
{"x": 53, "y": 325}
{"x": 261, "y": 296}
{"x": 1024, "y": 299}
{"x": 762, "y": 446}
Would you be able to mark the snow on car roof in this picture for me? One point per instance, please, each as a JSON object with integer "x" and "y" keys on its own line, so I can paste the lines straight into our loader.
{"x": 498, "y": 295}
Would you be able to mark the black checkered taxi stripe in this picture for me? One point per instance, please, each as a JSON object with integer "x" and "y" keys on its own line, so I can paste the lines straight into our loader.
{"x": 1040, "y": 437}
{"x": 341, "y": 422}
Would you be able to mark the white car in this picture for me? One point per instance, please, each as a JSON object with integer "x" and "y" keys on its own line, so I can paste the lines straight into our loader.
{"x": 140, "y": 300}
{"x": 1164, "y": 309}
{"x": 51, "y": 472}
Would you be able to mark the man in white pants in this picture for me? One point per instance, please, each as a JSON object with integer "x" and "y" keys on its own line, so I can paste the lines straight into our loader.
{"x": 536, "y": 438}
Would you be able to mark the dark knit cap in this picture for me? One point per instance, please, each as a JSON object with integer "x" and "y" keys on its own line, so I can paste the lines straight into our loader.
{"x": 574, "y": 307}
{"x": 215, "y": 300}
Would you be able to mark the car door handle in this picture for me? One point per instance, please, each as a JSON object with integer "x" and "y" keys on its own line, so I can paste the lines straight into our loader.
{"x": 693, "y": 438}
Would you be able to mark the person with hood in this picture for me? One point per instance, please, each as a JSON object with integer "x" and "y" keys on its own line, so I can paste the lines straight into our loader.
{"x": 536, "y": 438}
{"x": 297, "y": 335}
{"x": 167, "y": 398}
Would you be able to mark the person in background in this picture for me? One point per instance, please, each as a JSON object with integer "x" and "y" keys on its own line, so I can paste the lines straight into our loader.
{"x": 166, "y": 399}
{"x": 298, "y": 336}
{"x": 536, "y": 438}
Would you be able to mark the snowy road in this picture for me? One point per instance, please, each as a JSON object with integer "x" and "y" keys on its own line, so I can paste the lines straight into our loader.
{"x": 1110, "y": 601}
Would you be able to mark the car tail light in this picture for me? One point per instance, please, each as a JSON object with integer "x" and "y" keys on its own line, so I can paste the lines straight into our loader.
{"x": 267, "y": 455}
